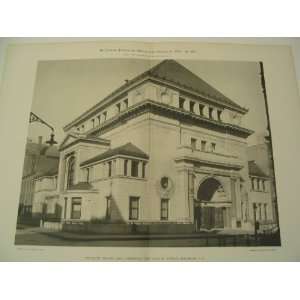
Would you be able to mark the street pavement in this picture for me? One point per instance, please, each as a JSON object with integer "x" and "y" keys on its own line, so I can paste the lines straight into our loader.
{"x": 41, "y": 237}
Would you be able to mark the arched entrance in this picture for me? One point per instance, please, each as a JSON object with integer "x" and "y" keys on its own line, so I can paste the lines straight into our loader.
{"x": 212, "y": 208}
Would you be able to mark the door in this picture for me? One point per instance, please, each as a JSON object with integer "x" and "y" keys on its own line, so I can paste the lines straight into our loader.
{"x": 208, "y": 217}
{"x": 219, "y": 217}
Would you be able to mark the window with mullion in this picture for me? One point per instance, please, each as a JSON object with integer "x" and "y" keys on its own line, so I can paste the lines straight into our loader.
{"x": 133, "y": 208}
{"x": 164, "y": 209}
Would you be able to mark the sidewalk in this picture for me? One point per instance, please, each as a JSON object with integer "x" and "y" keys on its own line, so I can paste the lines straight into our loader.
{"x": 136, "y": 236}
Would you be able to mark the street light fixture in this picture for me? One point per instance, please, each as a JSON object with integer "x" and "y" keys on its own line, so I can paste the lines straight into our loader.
{"x": 34, "y": 118}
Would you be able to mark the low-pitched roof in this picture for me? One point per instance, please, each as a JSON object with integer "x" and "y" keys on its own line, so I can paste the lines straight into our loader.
{"x": 128, "y": 149}
{"x": 173, "y": 72}
{"x": 255, "y": 170}
{"x": 82, "y": 138}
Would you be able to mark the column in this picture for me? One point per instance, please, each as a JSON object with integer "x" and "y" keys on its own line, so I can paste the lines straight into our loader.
{"x": 140, "y": 169}
{"x": 129, "y": 167}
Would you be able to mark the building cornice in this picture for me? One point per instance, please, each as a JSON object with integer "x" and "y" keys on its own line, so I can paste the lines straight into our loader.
{"x": 120, "y": 92}
{"x": 171, "y": 112}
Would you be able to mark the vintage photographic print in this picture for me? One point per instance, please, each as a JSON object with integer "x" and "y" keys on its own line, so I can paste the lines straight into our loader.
{"x": 140, "y": 153}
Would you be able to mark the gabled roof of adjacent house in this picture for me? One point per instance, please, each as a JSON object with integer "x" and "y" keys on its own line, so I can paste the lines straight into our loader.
{"x": 169, "y": 71}
{"x": 82, "y": 138}
{"x": 255, "y": 170}
{"x": 127, "y": 150}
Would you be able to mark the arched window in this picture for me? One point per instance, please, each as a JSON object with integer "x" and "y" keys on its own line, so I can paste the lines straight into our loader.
{"x": 71, "y": 170}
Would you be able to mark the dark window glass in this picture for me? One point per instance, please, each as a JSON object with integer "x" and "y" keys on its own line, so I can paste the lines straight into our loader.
{"x": 76, "y": 208}
{"x": 125, "y": 167}
{"x": 134, "y": 168}
{"x": 213, "y": 147}
{"x": 164, "y": 209}
{"x": 133, "y": 208}
{"x": 126, "y": 103}
{"x": 219, "y": 115}
{"x": 201, "y": 109}
{"x": 192, "y": 104}
{"x": 105, "y": 115}
{"x": 119, "y": 107}
{"x": 71, "y": 170}
{"x": 109, "y": 169}
{"x": 181, "y": 102}
{"x": 203, "y": 145}
{"x": 210, "y": 111}
{"x": 193, "y": 143}
{"x": 144, "y": 170}
{"x": 88, "y": 175}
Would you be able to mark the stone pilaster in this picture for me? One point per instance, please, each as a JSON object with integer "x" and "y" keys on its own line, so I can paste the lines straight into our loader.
{"x": 233, "y": 199}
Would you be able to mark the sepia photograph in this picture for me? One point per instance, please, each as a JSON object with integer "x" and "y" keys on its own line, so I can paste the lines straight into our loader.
{"x": 148, "y": 153}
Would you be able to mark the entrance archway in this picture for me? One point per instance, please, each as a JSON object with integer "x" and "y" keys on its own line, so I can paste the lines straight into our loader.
{"x": 212, "y": 208}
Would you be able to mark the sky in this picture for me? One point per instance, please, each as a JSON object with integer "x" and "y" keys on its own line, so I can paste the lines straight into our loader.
{"x": 65, "y": 89}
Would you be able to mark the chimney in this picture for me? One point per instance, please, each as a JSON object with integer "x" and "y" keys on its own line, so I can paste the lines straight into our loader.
{"x": 40, "y": 139}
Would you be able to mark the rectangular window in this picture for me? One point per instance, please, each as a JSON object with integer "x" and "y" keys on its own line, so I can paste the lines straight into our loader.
{"x": 133, "y": 208}
{"x": 76, "y": 208}
{"x": 192, "y": 104}
{"x": 125, "y": 167}
{"x": 181, "y": 103}
{"x": 252, "y": 183}
{"x": 210, "y": 112}
{"x": 104, "y": 116}
{"x": 88, "y": 175}
{"x": 257, "y": 184}
{"x": 219, "y": 115}
{"x": 144, "y": 170}
{"x": 134, "y": 168}
{"x": 164, "y": 209}
{"x": 126, "y": 103}
{"x": 193, "y": 144}
{"x": 119, "y": 107}
{"x": 109, "y": 169}
{"x": 201, "y": 109}
{"x": 213, "y": 147}
{"x": 263, "y": 185}
{"x": 203, "y": 145}
{"x": 259, "y": 205}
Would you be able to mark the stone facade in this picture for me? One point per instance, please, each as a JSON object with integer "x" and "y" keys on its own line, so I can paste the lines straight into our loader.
{"x": 158, "y": 150}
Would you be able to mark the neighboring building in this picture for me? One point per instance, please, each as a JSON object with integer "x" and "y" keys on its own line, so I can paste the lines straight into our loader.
{"x": 39, "y": 159}
{"x": 263, "y": 170}
{"x": 165, "y": 148}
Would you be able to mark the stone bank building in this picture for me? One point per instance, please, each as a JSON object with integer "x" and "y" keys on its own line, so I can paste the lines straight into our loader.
{"x": 164, "y": 148}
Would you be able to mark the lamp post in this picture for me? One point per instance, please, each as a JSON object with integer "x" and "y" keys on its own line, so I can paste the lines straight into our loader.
{"x": 34, "y": 118}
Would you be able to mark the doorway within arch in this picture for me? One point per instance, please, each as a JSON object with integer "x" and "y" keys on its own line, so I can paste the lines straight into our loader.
{"x": 212, "y": 208}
